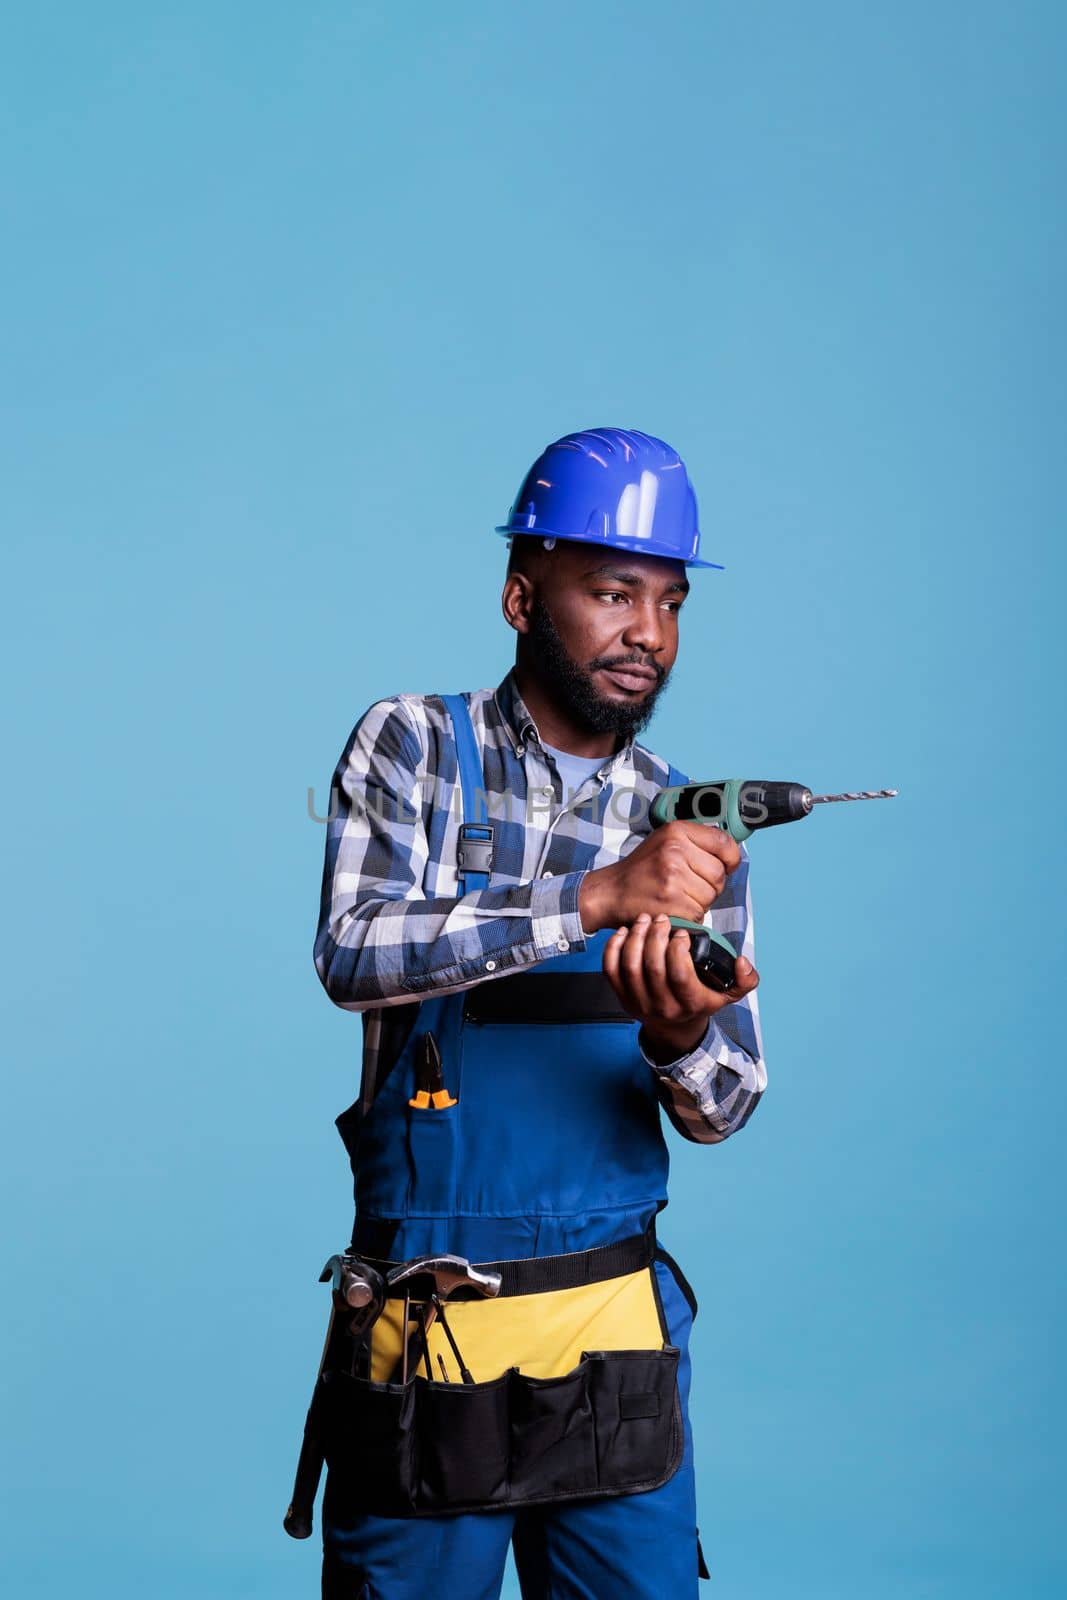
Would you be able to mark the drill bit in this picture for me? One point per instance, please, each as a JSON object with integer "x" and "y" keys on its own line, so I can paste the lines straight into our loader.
{"x": 865, "y": 794}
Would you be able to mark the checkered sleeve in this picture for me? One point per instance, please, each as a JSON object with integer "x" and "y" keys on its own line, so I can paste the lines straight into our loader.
{"x": 380, "y": 941}
{"x": 711, "y": 1093}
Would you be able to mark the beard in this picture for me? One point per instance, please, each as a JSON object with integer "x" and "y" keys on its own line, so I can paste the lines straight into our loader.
{"x": 573, "y": 685}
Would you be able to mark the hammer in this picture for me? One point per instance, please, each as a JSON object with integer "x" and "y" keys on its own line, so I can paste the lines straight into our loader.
{"x": 358, "y": 1291}
{"x": 435, "y": 1279}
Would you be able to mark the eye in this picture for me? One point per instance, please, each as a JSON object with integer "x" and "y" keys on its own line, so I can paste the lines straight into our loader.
{"x": 611, "y": 594}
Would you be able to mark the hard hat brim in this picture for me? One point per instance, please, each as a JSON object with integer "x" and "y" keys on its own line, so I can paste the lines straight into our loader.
{"x": 637, "y": 547}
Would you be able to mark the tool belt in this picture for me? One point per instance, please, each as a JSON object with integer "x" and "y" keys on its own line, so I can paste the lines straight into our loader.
{"x": 611, "y": 1424}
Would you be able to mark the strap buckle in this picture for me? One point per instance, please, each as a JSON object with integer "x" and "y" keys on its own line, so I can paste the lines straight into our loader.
{"x": 475, "y": 850}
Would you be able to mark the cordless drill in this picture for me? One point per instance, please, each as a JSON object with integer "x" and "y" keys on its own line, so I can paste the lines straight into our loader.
{"x": 740, "y": 806}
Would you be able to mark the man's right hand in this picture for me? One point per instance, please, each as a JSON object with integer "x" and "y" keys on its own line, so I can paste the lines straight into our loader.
{"x": 680, "y": 869}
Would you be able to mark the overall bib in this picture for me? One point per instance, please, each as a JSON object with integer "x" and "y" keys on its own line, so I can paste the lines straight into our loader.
{"x": 546, "y": 1144}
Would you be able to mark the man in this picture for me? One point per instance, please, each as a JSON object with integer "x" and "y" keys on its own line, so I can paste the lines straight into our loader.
{"x": 528, "y": 1010}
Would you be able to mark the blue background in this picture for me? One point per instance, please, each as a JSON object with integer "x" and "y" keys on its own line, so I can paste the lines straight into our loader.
{"x": 293, "y": 294}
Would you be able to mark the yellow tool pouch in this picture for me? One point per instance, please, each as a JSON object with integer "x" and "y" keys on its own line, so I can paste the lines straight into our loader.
{"x": 574, "y": 1395}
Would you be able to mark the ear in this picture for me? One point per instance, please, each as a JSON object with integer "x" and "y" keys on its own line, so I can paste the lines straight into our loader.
{"x": 517, "y": 600}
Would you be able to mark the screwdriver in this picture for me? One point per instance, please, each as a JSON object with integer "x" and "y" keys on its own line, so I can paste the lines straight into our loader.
{"x": 740, "y": 806}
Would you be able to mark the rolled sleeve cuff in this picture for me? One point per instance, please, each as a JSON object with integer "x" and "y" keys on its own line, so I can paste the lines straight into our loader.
{"x": 557, "y": 927}
{"x": 696, "y": 1076}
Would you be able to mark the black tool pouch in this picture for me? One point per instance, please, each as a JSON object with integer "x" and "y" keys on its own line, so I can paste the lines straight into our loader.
{"x": 612, "y": 1425}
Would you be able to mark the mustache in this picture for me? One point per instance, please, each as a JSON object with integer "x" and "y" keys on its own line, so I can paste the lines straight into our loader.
{"x": 609, "y": 663}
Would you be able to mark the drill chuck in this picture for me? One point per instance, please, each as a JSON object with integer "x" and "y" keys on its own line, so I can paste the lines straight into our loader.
{"x": 766, "y": 805}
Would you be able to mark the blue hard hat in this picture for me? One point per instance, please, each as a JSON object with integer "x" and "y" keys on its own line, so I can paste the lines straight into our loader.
{"x": 613, "y": 487}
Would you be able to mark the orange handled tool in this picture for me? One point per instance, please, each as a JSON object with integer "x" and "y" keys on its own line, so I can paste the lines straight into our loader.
{"x": 429, "y": 1078}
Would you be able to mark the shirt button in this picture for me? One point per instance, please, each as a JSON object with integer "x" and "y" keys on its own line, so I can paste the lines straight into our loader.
{"x": 546, "y": 874}
{"x": 563, "y": 944}
{"x": 490, "y": 966}
{"x": 548, "y": 791}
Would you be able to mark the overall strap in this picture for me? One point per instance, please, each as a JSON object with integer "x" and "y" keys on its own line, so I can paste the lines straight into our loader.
{"x": 474, "y": 855}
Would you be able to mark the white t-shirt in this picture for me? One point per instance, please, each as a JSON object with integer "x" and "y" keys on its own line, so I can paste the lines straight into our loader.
{"x": 575, "y": 770}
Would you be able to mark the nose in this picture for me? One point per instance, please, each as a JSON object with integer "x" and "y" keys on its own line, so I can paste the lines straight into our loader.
{"x": 645, "y": 629}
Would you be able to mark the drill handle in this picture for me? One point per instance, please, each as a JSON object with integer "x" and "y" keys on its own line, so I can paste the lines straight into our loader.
{"x": 713, "y": 956}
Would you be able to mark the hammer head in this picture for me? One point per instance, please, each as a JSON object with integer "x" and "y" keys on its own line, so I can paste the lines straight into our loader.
{"x": 358, "y": 1288}
{"x": 447, "y": 1277}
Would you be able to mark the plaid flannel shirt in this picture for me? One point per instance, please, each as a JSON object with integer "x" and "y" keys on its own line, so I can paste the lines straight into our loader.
{"x": 393, "y": 926}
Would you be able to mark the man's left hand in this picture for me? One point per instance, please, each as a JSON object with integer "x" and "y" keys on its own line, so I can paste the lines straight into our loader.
{"x": 650, "y": 969}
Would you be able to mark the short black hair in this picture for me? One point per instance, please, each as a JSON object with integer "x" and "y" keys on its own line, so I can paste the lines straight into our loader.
{"x": 524, "y": 553}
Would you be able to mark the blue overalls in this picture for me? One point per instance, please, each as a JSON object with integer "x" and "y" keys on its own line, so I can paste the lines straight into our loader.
{"x": 553, "y": 1145}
